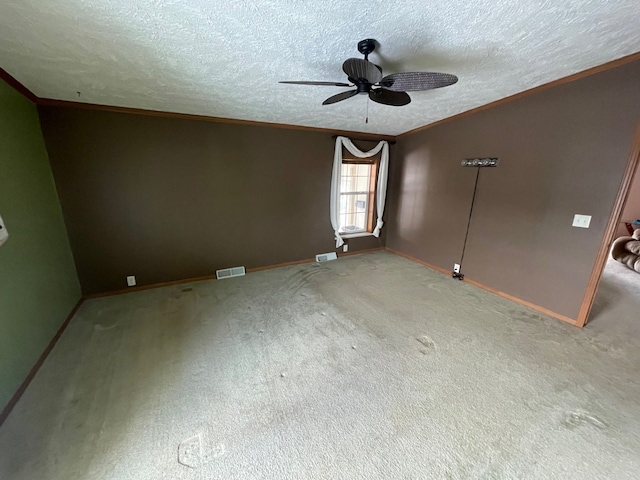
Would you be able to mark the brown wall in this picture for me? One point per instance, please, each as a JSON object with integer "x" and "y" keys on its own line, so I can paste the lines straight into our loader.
{"x": 562, "y": 151}
{"x": 166, "y": 199}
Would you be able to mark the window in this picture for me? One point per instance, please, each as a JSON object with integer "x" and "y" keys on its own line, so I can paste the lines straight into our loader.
{"x": 358, "y": 187}
{"x": 357, "y": 196}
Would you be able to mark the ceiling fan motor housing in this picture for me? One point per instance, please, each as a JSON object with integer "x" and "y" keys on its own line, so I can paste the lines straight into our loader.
{"x": 363, "y": 87}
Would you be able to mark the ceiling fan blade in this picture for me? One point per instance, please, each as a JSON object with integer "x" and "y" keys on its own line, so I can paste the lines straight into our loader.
{"x": 417, "y": 81}
{"x": 331, "y": 84}
{"x": 339, "y": 97}
{"x": 357, "y": 68}
{"x": 388, "y": 97}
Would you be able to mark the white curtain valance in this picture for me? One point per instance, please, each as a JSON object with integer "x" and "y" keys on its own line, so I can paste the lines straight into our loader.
{"x": 381, "y": 189}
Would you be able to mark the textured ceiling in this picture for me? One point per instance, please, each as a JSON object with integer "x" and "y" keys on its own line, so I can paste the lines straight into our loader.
{"x": 223, "y": 58}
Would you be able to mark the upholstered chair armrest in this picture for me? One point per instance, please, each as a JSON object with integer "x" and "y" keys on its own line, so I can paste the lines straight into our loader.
{"x": 618, "y": 249}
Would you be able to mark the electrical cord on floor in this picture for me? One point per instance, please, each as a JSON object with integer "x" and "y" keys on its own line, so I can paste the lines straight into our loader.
{"x": 459, "y": 275}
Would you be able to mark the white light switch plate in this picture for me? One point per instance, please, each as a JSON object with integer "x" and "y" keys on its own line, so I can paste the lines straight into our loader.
{"x": 3, "y": 232}
{"x": 581, "y": 221}
{"x": 131, "y": 281}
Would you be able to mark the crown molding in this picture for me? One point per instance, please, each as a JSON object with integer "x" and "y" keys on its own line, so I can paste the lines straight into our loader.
{"x": 561, "y": 81}
{"x": 7, "y": 77}
{"x": 49, "y": 102}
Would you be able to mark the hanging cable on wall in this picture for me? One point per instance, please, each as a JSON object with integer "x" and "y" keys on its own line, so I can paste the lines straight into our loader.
{"x": 476, "y": 163}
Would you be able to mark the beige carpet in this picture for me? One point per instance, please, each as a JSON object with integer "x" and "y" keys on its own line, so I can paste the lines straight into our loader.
{"x": 369, "y": 367}
{"x": 616, "y": 309}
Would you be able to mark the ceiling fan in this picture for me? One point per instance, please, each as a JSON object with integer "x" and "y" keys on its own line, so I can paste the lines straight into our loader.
{"x": 390, "y": 90}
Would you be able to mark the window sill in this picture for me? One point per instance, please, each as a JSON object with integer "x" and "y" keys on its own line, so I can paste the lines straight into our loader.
{"x": 356, "y": 235}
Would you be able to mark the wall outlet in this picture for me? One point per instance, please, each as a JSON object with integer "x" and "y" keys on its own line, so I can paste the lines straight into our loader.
{"x": 581, "y": 221}
{"x": 345, "y": 248}
{"x": 131, "y": 280}
{"x": 456, "y": 267}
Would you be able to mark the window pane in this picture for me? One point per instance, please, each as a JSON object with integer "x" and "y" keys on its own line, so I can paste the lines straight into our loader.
{"x": 350, "y": 184}
{"x": 343, "y": 204}
{"x": 364, "y": 169}
{"x": 354, "y": 208}
{"x": 362, "y": 184}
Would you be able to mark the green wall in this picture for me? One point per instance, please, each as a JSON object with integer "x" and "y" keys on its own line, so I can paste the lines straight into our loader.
{"x": 38, "y": 282}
